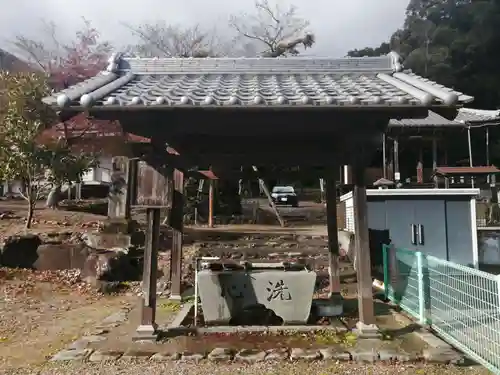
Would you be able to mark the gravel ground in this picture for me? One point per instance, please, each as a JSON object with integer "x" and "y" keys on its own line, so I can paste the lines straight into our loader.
{"x": 267, "y": 368}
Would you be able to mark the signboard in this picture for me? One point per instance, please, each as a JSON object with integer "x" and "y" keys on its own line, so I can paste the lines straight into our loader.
{"x": 153, "y": 187}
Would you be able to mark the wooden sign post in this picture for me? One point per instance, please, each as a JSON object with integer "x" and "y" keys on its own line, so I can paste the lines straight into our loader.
{"x": 149, "y": 188}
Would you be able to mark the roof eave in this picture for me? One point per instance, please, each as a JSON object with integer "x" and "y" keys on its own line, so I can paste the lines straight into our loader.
{"x": 159, "y": 107}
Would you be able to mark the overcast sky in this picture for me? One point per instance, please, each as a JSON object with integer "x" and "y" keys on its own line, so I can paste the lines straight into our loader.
{"x": 339, "y": 25}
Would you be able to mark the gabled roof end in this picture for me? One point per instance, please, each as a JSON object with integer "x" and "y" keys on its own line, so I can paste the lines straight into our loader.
{"x": 397, "y": 61}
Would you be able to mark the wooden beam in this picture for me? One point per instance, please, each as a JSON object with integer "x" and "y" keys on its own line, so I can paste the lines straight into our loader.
{"x": 333, "y": 241}
{"x": 147, "y": 329}
{"x": 362, "y": 243}
{"x": 269, "y": 198}
{"x": 176, "y": 223}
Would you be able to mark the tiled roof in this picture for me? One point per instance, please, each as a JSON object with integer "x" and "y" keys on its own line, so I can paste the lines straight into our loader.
{"x": 470, "y": 115}
{"x": 464, "y": 117}
{"x": 299, "y": 81}
{"x": 466, "y": 170}
{"x": 11, "y": 63}
{"x": 432, "y": 120}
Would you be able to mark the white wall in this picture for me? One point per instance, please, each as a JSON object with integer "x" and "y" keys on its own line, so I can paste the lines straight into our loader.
{"x": 13, "y": 187}
{"x": 101, "y": 174}
{"x": 95, "y": 176}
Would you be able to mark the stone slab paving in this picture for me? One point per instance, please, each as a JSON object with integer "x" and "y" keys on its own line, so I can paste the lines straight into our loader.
{"x": 250, "y": 356}
{"x": 364, "y": 351}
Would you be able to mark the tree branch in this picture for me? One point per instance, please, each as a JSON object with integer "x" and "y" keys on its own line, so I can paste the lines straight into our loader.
{"x": 280, "y": 31}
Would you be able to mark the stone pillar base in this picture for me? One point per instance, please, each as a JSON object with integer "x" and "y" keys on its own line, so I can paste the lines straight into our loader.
{"x": 175, "y": 297}
{"x": 146, "y": 333}
{"x": 369, "y": 331}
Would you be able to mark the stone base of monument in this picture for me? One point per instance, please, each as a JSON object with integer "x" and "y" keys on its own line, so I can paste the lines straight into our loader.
{"x": 119, "y": 242}
{"x": 329, "y": 307}
{"x": 269, "y": 294}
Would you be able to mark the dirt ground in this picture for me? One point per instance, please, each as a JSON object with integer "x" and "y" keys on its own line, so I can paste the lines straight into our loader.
{"x": 13, "y": 213}
{"x": 265, "y": 368}
{"x": 42, "y": 312}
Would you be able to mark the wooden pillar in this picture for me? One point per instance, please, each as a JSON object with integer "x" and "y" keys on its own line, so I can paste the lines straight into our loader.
{"x": 147, "y": 329}
{"x": 210, "y": 203}
{"x": 133, "y": 169}
{"x": 487, "y": 145}
{"x": 420, "y": 166}
{"x": 362, "y": 246}
{"x": 333, "y": 242}
{"x": 176, "y": 224}
{"x": 434, "y": 161}
{"x": 384, "y": 155}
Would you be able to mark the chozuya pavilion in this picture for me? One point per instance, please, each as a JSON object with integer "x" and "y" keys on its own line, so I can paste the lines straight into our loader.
{"x": 228, "y": 112}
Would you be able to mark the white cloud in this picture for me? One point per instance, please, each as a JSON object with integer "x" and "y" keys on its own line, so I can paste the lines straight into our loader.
{"x": 339, "y": 25}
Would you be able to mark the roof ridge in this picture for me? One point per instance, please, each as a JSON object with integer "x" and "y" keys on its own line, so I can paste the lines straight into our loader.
{"x": 120, "y": 62}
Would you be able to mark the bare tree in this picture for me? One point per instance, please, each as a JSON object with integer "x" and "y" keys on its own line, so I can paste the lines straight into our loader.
{"x": 163, "y": 40}
{"x": 64, "y": 63}
{"x": 276, "y": 30}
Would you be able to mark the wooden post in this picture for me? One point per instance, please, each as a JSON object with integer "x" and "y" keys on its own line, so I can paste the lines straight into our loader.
{"x": 176, "y": 223}
{"x": 269, "y": 199}
{"x": 131, "y": 186}
{"x": 333, "y": 241}
{"x": 362, "y": 243}
{"x": 434, "y": 161}
{"x": 420, "y": 166}
{"x": 434, "y": 153}
{"x": 147, "y": 330}
{"x": 211, "y": 204}
{"x": 384, "y": 155}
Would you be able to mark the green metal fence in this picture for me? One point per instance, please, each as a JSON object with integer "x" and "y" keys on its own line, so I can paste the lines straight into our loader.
{"x": 461, "y": 304}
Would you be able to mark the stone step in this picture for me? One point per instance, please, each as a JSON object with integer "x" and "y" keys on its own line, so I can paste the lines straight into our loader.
{"x": 269, "y": 243}
{"x": 263, "y": 251}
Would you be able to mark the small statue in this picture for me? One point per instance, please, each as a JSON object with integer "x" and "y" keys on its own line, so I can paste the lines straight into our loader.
{"x": 54, "y": 197}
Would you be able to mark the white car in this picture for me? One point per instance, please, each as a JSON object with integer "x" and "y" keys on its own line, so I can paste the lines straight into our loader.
{"x": 284, "y": 195}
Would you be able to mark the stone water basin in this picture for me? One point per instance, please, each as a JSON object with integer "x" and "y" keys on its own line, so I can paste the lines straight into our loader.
{"x": 259, "y": 293}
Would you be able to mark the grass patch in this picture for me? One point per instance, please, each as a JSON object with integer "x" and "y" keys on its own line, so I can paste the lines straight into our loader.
{"x": 171, "y": 306}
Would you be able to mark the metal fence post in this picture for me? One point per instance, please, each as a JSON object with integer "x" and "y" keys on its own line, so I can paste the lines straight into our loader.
{"x": 498, "y": 290}
{"x": 421, "y": 290}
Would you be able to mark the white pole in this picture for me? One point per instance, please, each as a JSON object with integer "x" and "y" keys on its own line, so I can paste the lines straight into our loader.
{"x": 470, "y": 152}
{"x": 196, "y": 292}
